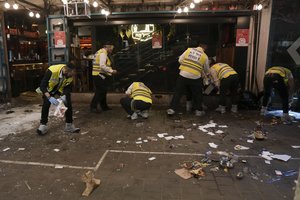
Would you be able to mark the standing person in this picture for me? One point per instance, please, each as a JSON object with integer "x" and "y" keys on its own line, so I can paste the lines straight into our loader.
{"x": 192, "y": 63}
{"x": 281, "y": 79}
{"x": 226, "y": 80}
{"x": 138, "y": 101}
{"x": 102, "y": 71}
{"x": 57, "y": 81}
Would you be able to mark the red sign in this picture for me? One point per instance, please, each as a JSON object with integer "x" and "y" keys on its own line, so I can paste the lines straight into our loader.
{"x": 156, "y": 41}
{"x": 242, "y": 37}
{"x": 59, "y": 39}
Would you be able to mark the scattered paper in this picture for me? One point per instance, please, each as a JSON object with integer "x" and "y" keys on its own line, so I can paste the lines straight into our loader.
{"x": 213, "y": 145}
{"x": 151, "y": 138}
{"x": 139, "y": 139}
{"x": 283, "y": 157}
{"x": 139, "y": 142}
{"x": 210, "y": 133}
{"x": 268, "y": 162}
{"x": 118, "y": 141}
{"x": 145, "y": 141}
{"x": 240, "y": 147}
{"x": 21, "y": 149}
{"x": 189, "y": 129}
{"x": 278, "y": 173}
{"x": 56, "y": 150}
{"x": 152, "y": 158}
{"x": 194, "y": 124}
{"x": 250, "y": 141}
{"x": 222, "y": 126}
{"x": 83, "y": 133}
{"x": 296, "y": 147}
{"x": 183, "y": 173}
{"x": 161, "y": 135}
{"x": 179, "y": 137}
{"x": 219, "y": 131}
{"x": 6, "y": 149}
{"x": 169, "y": 137}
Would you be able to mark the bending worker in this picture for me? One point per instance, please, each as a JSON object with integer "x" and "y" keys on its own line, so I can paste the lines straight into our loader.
{"x": 281, "y": 79}
{"x": 226, "y": 80}
{"x": 192, "y": 63}
{"x": 102, "y": 71}
{"x": 138, "y": 101}
{"x": 57, "y": 81}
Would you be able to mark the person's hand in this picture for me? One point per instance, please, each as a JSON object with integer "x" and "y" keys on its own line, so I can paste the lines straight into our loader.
{"x": 114, "y": 71}
{"x": 53, "y": 101}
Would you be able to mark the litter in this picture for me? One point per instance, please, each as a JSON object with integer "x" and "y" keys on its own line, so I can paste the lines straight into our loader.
{"x": 194, "y": 124}
{"x": 152, "y": 158}
{"x": 226, "y": 162}
{"x": 268, "y": 162}
{"x": 240, "y": 147}
{"x": 169, "y": 137}
{"x": 210, "y": 133}
{"x": 60, "y": 109}
{"x": 152, "y": 138}
{"x": 189, "y": 129}
{"x": 222, "y": 126}
{"x": 214, "y": 169}
{"x": 278, "y": 173}
{"x": 296, "y": 147}
{"x": 83, "y": 133}
{"x": 139, "y": 142}
{"x": 140, "y": 124}
{"x": 21, "y": 149}
{"x": 183, "y": 173}
{"x": 283, "y": 157}
{"x": 213, "y": 145}
{"x": 250, "y": 141}
{"x": 244, "y": 161}
{"x": 240, "y": 175}
{"x": 219, "y": 131}
{"x": 118, "y": 141}
{"x": 56, "y": 150}
{"x": 290, "y": 173}
{"x": 197, "y": 172}
{"x": 139, "y": 139}
{"x": 161, "y": 135}
{"x": 179, "y": 137}
{"x": 6, "y": 149}
{"x": 259, "y": 135}
{"x": 274, "y": 180}
{"x": 90, "y": 182}
{"x": 27, "y": 185}
{"x": 145, "y": 141}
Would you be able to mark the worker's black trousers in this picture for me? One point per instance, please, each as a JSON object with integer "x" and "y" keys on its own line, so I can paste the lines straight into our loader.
{"x": 46, "y": 106}
{"x": 101, "y": 86}
{"x": 229, "y": 86}
{"x": 182, "y": 85}
{"x": 276, "y": 81}
{"x": 131, "y": 105}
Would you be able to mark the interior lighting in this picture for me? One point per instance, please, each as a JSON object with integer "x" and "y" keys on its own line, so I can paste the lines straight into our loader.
{"x": 192, "y": 5}
{"x": 86, "y": 1}
{"x": 103, "y": 11}
{"x": 31, "y": 14}
{"x": 186, "y": 9}
{"x": 179, "y": 10}
{"x": 95, "y": 4}
{"x": 259, "y": 7}
{"x": 37, "y": 15}
{"x": 107, "y": 13}
{"x": 7, "y": 5}
{"x": 197, "y": 1}
{"x": 64, "y": 1}
{"x": 15, "y": 6}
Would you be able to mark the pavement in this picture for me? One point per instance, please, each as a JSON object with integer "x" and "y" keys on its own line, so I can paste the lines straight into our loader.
{"x": 50, "y": 167}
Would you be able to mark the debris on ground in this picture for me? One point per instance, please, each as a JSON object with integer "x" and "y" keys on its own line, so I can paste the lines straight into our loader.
{"x": 118, "y": 141}
{"x": 161, "y": 135}
{"x": 152, "y": 158}
{"x": 250, "y": 141}
{"x": 90, "y": 182}
{"x": 6, "y": 149}
{"x": 213, "y": 145}
{"x": 240, "y": 147}
{"x": 183, "y": 173}
{"x": 139, "y": 124}
{"x": 21, "y": 149}
{"x": 56, "y": 150}
{"x": 270, "y": 156}
{"x": 240, "y": 175}
{"x": 295, "y": 146}
{"x": 27, "y": 185}
{"x": 83, "y": 133}
{"x": 154, "y": 139}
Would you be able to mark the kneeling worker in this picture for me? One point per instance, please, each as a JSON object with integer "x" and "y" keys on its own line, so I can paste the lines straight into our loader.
{"x": 57, "y": 81}
{"x": 226, "y": 80}
{"x": 281, "y": 79}
{"x": 138, "y": 101}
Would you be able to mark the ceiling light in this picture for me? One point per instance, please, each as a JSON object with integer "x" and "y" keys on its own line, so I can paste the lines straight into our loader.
{"x": 31, "y": 14}
{"x": 107, "y": 13}
{"x": 95, "y": 4}
{"x": 179, "y": 10}
{"x": 7, "y": 5}
{"x": 197, "y": 1}
{"x": 259, "y": 7}
{"x": 15, "y": 6}
{"x": 37, "y": 15}
{"x": 186, "y": 9}
{"x": 192, "y": 5}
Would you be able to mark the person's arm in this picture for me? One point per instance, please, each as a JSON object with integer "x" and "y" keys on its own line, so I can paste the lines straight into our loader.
{"x": 44, "y": 83}
{"x": 206, "y": 66}
{"x": 181, "y": 57}
{"x": 103, "y": 59}
{"x": 214, "y": 77}
{"x": 128, "y": 91}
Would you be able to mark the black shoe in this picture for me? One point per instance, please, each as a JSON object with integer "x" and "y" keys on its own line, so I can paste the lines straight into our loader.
{"x": 106, "y": 109}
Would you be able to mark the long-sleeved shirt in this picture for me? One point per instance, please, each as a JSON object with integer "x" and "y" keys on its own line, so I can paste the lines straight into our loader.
{"x": 189, "y": 75}
{"x": 214, "y": 77}
{"x": 102, "y": 63}
{"x": 45, "y": 82}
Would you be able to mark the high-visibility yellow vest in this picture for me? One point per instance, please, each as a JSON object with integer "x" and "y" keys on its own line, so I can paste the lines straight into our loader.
{"x": 223, "y": 70}
{"x": 193, "y": 61}
{"x": 96, "y": 63}
{"x": 141, "y": 92}
{"x": 54, "y": 79}
{"x": 282, "y": 71}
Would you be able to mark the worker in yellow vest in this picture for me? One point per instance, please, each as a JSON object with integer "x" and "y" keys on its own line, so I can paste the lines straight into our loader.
{"x": 57, "y": 81}
{"x": 192, "y": 63}
{"x": 281, "y": 79}
{"x": 102, "y": 71}
{"x": 226, "y": 80}
{"x": 138, "y": 101}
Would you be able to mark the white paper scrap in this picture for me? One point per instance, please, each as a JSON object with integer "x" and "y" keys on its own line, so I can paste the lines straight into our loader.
{"x": 6, "y": 149}
{"x": 222, "y": 126}
{"x": 203, "y": 130}
{"x": 194, "y": 124}
{"x": 145, "y": 141}
{"x": 268, "y": 162}
{"x": 56, "y": 150}
{"x": 21, "y": 149}
{"x": 139, "y": 142}
{"x": 210, "y": 133}
{"x": 161, "y": 135}
{"x": 213, "y": 145}
{"x": 139, "y": 139}
{"x": 179, "y": 137}
{"x": 58, "y": 167}
{"x": 152, "y": 158}
{"x": 219, "y": 131}
{"x": 169, "y": 138}
{"x": 283, "y": 157}
{"x": 240, "y": 147}
{"x": 296, "y": 146}
{"x": 118, "y": 141}
{"x": 278, "y": 173}
{"x": 250, "y": 141}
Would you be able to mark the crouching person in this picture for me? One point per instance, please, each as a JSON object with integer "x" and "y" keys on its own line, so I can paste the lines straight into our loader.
{"x": 138, "y": 101}
{"x": 57, "y": 82}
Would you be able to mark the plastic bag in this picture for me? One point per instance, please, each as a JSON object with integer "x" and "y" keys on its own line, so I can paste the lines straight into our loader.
{"x": 60, "y": 109}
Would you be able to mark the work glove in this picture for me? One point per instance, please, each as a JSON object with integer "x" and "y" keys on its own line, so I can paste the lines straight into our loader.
{"x": 64, "y": 99}
{"x": 53, "y": 101}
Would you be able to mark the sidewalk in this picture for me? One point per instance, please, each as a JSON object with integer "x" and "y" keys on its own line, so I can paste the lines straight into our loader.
{"x": 108, "y": 144}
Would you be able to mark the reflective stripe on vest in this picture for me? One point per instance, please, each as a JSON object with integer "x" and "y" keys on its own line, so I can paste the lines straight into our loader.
{"x": 96, "y": 63}
{"x": 141, "y": 92}
{"x": 54, "y": 79}
{"x": 223, "y": 70}
{"x": 193, "y": 61}
{"x": 282, "y": 71}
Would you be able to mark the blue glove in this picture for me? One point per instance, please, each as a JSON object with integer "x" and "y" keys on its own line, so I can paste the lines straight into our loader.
{"x": 53, "y": 101}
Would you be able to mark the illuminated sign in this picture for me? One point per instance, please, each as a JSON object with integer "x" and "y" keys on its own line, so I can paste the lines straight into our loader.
{"x": 142, "y": 32}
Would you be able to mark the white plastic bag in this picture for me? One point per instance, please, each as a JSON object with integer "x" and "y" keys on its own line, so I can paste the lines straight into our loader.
{"x": 60, "y": 109}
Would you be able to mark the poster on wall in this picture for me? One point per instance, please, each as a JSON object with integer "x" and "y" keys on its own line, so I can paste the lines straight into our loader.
{"x": 156, "y": 41}
{"x": 59, "y": 39}
{"x": 242, "y": 37}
